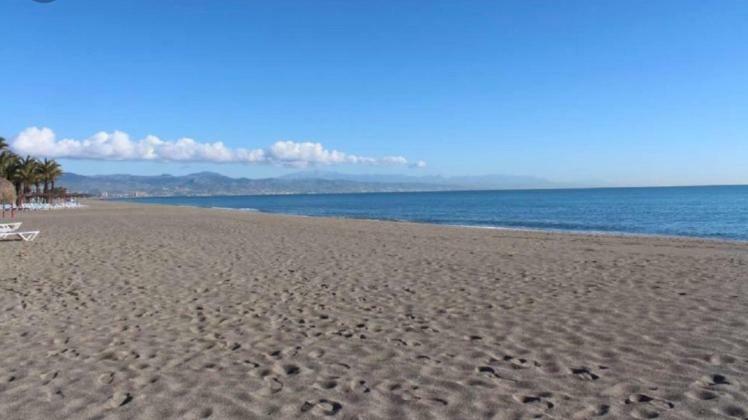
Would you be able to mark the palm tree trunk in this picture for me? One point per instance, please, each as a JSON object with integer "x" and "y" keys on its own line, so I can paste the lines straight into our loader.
{"x": 19, "y": 201}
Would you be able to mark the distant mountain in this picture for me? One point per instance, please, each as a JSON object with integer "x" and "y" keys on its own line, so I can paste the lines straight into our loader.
{"x": 209, "y": 183}
{"x": 308, "y": 182}
{"x": 457, "y": 182}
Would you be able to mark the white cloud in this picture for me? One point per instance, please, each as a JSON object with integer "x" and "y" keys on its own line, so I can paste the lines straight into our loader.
{"x": 117, "y": 145}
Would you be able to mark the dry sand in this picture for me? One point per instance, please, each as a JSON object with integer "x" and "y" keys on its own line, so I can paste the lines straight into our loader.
{"x": 126, "y": 311}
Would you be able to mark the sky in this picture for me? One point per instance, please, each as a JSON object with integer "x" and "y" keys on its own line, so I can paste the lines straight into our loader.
{"x": 605, "y": 92}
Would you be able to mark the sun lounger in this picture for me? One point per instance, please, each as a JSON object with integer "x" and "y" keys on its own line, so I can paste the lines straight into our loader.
{"x": 25, "y": 236}
{"x": 9, "y": 227}
{"x": 48, "y": 206}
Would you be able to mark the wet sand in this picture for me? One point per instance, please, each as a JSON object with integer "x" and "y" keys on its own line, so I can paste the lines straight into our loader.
{"x": 149, "y": 312}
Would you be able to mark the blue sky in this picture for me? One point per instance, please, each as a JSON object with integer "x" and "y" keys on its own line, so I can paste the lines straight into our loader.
{"x": 621, "y": 93}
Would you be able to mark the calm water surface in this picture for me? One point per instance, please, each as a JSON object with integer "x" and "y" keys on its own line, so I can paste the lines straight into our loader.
{"x": 711, "y": 212}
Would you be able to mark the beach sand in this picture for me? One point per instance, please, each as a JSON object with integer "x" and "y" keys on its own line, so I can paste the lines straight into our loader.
{"x": 148, "y": 312}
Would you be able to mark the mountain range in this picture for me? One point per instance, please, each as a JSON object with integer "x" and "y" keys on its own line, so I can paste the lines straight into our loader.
{"x": 307, "y": 182}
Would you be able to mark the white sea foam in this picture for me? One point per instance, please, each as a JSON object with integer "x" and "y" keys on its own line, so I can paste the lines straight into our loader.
{"x": 246, "y": 209}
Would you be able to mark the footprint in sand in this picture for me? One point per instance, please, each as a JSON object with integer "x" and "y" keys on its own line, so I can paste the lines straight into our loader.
{"x": 416, "y": 394}
{"x": 647, "y": 407}
{"x": 701, "y": 394}
{"x": 322, "y": 407}
{"x": 437, "y": 401}
{"x": 584, "y": 374}
{"x": 360, "y": 386}
{"x": 273, "y": 386}
{"x": 119, "y": 399}
{"x": 405, "y": 393}
{"x": 709, "y": 387}
{"x": 540, "y": 402}
{"x": 106, "y": 378}
{"x": 593, "y": 411}
{"x": 427, "y": 359}
{"x": 488, "y": 371}
{"x": 45, "y": 377}
{"x": 316, "y": 353}
{"x": 327, "y": 384}
{"x": 251, "y": 364}
{"x": 290, "y": 370}
{"x": 517, "y": 363}
{"x": 713, "y": 381}
{"x": 734, "y": 411}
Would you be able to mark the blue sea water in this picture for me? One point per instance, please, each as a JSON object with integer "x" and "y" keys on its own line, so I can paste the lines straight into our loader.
{"x": 712, "y": 212}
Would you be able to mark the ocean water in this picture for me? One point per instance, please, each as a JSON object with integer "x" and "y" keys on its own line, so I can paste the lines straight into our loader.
{"x": 711, "y": 212}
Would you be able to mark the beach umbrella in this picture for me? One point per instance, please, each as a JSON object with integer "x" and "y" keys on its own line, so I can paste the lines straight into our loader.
{"x": 7, "y": 192}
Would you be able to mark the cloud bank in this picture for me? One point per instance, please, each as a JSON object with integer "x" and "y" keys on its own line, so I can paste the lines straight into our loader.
{"x": 117, "y": 145}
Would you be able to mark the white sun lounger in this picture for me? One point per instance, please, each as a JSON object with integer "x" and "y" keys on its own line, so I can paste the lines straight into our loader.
{"x": 26, "y": 236}
{"x": 9, "y": 227}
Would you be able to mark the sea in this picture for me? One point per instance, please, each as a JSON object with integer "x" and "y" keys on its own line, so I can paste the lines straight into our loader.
{"x": 719, "y": 212}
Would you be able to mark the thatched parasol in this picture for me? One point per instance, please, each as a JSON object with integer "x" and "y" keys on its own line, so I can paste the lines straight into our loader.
{"x": 7, "y": 192}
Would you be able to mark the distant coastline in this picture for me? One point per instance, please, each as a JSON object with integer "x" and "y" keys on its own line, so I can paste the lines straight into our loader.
{"x": 314, "y": 182}
{"x": 648, "y": 187}
{"x": 209, "y": 184}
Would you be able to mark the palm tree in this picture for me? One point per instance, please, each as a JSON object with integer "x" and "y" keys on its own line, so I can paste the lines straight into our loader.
{"x": 37, "y": 177}
{"x": 7, "y": 189}
{"x": 8, "y": 161}
{"x": 49, "y": 170}
{"x": 25, "y": 174}
{"x": 54, "y": 174}
{"x": 28, "y": 172}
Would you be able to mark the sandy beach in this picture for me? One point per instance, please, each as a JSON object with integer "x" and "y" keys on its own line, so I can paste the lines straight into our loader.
{"x": 147, "y": 312}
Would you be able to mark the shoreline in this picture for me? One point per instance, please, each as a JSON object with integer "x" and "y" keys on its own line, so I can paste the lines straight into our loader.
{"x": 592, "y": 233}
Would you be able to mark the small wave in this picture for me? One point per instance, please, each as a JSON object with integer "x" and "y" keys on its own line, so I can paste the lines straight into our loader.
{"x": 603, "y": 233}
{"x": 246, "y": 209}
